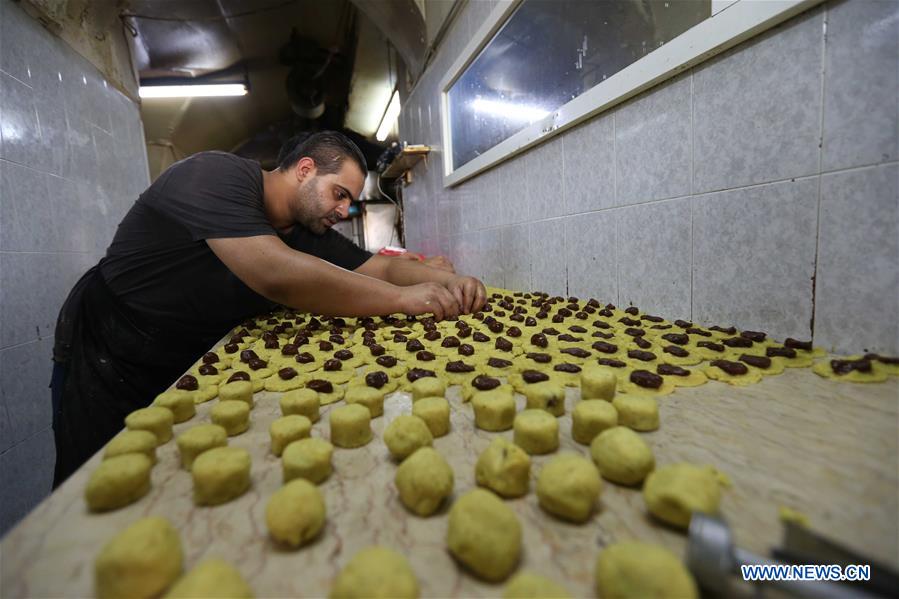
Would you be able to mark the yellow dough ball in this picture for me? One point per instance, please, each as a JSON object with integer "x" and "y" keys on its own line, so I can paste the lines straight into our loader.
{"x": 493, "y": 410}
{"x": 633, "y": 570}
{"x": 198, "y": 439}
{"x": 220, "y": 475}
{"x": 591, "y": 417}
{"x": 536, "y": 431}
{"x": 237, "y": 391}
{"x": 405, "y": 435}
{"x": 154, "y": 419}
{"x": 428, "y": 386}
{"x": 484, "y": 535}
{"x": 211, "y": 579}
{"x": 129, "y": 441}
{"x": 526, "y": 585}
{"x": 295, "y": 513}
{"x": 231, "y": 415}
{"x": 118, "y": 481}
{"x": 637, "y": 412}
{"x": 303, "y": 402}
{"x": 350, "y": 426}
{"x": 307, "y": 458}
{"x": 180, "y": 402}
{"x": 546, "y": 395}
{"x": 673, "y": 492}
{"x": 286, "y": 430}
{"x": 598, "y": 383}
{"x": 435, "y": 411}
{"x": 371, "y": 398}
{"x": 141, "y": 561}
{"x": 504, "y": 468}
{"x": 376, "y": 573}
{"x": 424, "y": 480}
{"x": 622, "y": 456}
{"x": 568, "y": 487}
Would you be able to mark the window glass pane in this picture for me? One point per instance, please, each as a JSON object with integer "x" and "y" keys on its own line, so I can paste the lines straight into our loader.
{"x": 548, "y": 53}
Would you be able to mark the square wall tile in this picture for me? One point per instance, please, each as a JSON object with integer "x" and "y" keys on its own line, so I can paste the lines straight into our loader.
{"x": 861, "y": 86}
{"x": 591, "y": 247}
{"x": 757, "y": 108}
{"x": 468, "y": 253}
{"x": 6, "y": 431}
{"x": 28, "y": 214}
{"x": 516, "y": 259}
{"x": 655, "y": 257}
{"x": 27, "y": 474}
{"x": 26, "y": 387}
{"x": 547, "y": 248}
{"x": 490, "y": 244}
{"x": 856, "y": 299}
{"x": 512, "y": 192}
{"x": 754, "y": 258}
{"x": 653, "y": 144}
{"x": 589, "y": 160}
{"x": 544, "y": 172}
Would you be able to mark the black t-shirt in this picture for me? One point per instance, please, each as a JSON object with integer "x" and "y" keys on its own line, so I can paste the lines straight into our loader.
{"x": 160, "y": 266}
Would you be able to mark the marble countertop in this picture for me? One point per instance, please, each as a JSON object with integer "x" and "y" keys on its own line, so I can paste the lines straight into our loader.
{"x": 828, "y": 449}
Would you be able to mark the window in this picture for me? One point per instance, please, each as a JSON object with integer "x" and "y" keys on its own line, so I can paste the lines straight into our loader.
{"x": 539, "y": 67}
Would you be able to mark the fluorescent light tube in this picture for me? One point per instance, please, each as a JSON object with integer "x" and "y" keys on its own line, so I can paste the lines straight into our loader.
{"x": 389, "y": 118}
{"x": 193, "y": 91}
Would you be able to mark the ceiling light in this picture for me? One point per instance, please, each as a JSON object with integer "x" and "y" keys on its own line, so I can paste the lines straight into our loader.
{"x": 193, "y": 91}
{"x": 389, "y": 118}
{"x": 509, "y": 110}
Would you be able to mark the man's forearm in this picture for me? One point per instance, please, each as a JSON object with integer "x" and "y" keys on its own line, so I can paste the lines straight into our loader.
{"x": 412, "y": 272}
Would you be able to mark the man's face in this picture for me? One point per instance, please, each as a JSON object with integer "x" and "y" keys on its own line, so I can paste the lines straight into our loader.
{"x": 322, "y": 200}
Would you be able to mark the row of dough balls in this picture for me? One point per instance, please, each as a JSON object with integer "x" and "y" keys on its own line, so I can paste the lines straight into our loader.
{"x": 146, "y": 560}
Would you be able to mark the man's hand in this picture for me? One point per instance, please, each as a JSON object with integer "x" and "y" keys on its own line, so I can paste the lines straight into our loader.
{"x": 429, "y": 298}
{"x": 441, "y": 262}
{"x": 469, "y": 293}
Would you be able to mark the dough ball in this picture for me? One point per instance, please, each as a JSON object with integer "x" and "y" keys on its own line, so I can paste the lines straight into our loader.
{"x": 591, "y": 417}
{"x": 307, "y": 458}
{"x": 141, "y": 561}
{"x": 295, "y": 513}
{"x": 405, "y": 435}
{"x": 428, "y": 386}
{"x": 180, "y": 402}
{"x": 633, "y": 570}
{"x": 371, "y": 398}
{"x": 673, "y": 492}
{"x": 376, "y": 573}
{"x": 424, "y": 480}
{"x": 237, "y": 391}
{"x": 303, "y": 402}
{"x": 526, "y": 585}
{"x": 484, "y": 534}
{"x": 350, "y": 426}
{"x": 198, "y": 439}
{"x": 536, "y": 431}
{"x": 287, "y": 429}
{"x": 493, "y": 410}
{"x": 546, "y": 395}
{"x": 231, "y": 415}
{"x": 118, "y": 481}
{"x": 154, "y": 419}
{"x": 220, "y": 475}
{"x": 129, "y": 441}
{"x": 637, "y": 412}
{"x": 568, "y": 487}
{"x": 504, "y": 468}
{"x": 598, "y": 383}
{"x": 622, "y": 456}
{"x": 435, "y": 411}
{"x": 212, "y": 578}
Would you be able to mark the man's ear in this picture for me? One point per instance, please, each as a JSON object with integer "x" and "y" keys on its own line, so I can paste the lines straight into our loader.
{"x": 304, "y": 169}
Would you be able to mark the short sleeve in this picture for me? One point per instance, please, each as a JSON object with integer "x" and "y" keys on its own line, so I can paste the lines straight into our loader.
{"x": 331, "y": 247}
{"x": 213, "y": 195}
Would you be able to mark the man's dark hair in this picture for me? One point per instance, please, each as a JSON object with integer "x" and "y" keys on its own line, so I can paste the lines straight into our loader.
{"x": 327, "y": 148}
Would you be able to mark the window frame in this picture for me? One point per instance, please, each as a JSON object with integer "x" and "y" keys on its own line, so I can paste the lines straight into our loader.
{"x": 731, "y": 22}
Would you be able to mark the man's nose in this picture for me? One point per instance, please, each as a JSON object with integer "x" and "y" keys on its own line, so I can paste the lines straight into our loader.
{"x": 343, "y": 208}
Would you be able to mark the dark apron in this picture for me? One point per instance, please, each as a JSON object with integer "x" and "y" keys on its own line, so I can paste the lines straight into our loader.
{"x": 117, "y": 362}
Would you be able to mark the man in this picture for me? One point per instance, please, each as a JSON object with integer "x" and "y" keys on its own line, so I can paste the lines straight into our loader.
{"x": 213, "y": 241}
